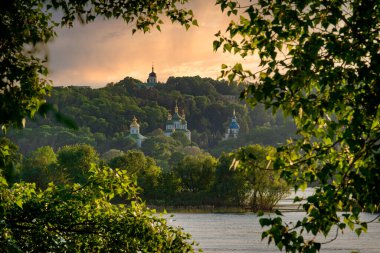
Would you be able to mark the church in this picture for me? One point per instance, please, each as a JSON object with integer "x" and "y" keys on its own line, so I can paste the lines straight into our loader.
{"x": 174, "y": 123}
{"x": 233, "y": 129}
{"x": 152, "y": 79}
{"x": 177, "y": 123}
{"x": 134, "y": 132}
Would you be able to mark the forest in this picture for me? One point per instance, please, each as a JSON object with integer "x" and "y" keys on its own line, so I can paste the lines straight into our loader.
{"x": 170, "y": 171}
{"x": 193, "y": 180}
{"x": 103, "y": 116}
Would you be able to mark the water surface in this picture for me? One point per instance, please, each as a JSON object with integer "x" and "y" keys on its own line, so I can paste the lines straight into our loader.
{"x": 241, "y": 233}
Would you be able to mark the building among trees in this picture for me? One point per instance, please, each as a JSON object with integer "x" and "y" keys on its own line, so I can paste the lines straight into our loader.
{"x": 134, "y": 132}
{"x": 233, "y": 129}
{"x": 177, "y": 122}
{"x": 152, "y": 78}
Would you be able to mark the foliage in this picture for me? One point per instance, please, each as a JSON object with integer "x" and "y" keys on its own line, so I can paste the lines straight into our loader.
{"x": 245, "y": 177}
{"x": 10, "y": 157}
{"x": 181, "y": 137}
{"x": 192, "y": 177}
{"x": 230, "y": 186}
{"x": 263, "y": 135}
{"x": 71, "y": 217}
{"x": 22, "y": 83}
{"x": 31, "y": 138}
{"x": 161, "y": 147}
{"x": 110, "y": 154}
{"x": 319, "y": 63}
{"x": 132, "y": 161}
{"x": 81, "y": 218}
{"x": 27, "y": 25}
{"x": 75, "y": 161}
{"x": 104, "y": 115}
{"x": 140, "y": 167}
{"x": 197, "y": 173}
{"x": 264, "y": 187}
{"x": 40, "y": 167}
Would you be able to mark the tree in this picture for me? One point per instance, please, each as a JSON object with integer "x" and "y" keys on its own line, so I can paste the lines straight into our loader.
{"x": 149, "y": 178}
{"x": 140, "y": 167}
{"x": 263, "y": 186}
{"x": 10, "y": 158}
{"x": 76, "y": 160}
{"x": 160, "y": 147}
{"x": 197, "y": 173}
{"x": 25, "y": 25}
{"x": 81, "y": 218}
{"x": 245, "y": 178}
{"x": 319, "y": 63}
{"x": 230, "y": 186}
{"x": 181, "y": 137}
{"x": 40, "y": 167}
{"x": 72, "y": 217}
{"x": 133, "y": 161}
{"x": 110, "y": 154}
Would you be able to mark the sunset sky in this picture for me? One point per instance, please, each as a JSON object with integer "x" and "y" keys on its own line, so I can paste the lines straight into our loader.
{"x": 106, "y": 51}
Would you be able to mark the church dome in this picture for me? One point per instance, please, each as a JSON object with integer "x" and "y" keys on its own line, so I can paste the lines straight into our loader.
{"x": 152, "y": 78}
{"x": 176, "y": 116}
{"x": 234, "y": 125}
{"x": 152, "y": 74}
{"x": 134, "y": 123}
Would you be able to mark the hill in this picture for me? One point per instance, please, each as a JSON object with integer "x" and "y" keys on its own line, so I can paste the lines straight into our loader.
{"x": 104, "y": 115}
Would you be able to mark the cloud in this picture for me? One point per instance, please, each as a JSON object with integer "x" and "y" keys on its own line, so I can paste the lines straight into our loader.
{"x": 106, "y": 51}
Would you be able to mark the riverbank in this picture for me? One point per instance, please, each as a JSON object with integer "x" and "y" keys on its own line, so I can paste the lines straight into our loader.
{"x": 201, "y": 209}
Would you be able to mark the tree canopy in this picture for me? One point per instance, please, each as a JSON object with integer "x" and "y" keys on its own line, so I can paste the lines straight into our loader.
{"x": 81, "y": 218}
{"x": 26, "y": 25}
{"x": 103, "y": 116}
{"x": 70, "y": 217}
{"x": 319, "y": 63}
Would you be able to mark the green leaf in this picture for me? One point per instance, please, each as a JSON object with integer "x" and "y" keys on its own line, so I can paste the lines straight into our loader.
{"x": 278, "y": 212}
{"x": 358, "y": 231}
{"x": 19, "y": 203}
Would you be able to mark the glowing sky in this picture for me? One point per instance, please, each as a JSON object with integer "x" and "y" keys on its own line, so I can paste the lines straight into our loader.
{"x": 106, "y": 51}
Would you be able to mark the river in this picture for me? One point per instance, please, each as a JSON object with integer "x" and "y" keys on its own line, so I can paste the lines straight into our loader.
{"x": 241, "y": 233}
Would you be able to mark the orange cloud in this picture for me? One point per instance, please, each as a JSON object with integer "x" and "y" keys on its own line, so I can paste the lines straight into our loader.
{"x": 106, "y": 51}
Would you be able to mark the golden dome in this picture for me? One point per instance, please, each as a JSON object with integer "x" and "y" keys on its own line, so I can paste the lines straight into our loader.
{"x": 134, "y": 123}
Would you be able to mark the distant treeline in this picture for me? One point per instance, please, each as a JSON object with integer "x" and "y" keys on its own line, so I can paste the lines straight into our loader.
{"x": 242, "y": 178}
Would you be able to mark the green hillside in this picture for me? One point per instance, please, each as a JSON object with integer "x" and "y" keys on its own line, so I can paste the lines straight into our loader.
{"x": 103, "y": 115}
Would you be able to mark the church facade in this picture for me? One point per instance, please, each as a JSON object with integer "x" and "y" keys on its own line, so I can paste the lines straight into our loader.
{"x": 134, "y": 132}
{"x": 233, "y": 129}
{"x": 177, "y": 123}
{"x": 152, "y": 79}
{"x": 174, "y": 123}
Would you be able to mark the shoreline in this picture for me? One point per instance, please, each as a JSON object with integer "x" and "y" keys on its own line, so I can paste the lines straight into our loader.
{"x": 201, "y": 209}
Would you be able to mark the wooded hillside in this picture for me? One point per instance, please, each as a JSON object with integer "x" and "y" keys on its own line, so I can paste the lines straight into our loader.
{"x": 104, "y": 115}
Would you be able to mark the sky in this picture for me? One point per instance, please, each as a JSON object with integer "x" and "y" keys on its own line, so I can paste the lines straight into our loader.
{"x": 106, "y": 51}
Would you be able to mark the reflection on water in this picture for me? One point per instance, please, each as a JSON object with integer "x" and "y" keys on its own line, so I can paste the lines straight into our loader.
{"x": 240, "y": 233}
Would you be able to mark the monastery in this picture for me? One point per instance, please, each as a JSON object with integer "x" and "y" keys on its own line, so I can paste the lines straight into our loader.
{"x": 176, "y": 122}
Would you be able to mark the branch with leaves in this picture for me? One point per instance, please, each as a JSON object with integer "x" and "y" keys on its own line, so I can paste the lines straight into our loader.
{"x": 79, "y": 218}
{"x": 26, "y": 25}
{"x": 329, "y": 85}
